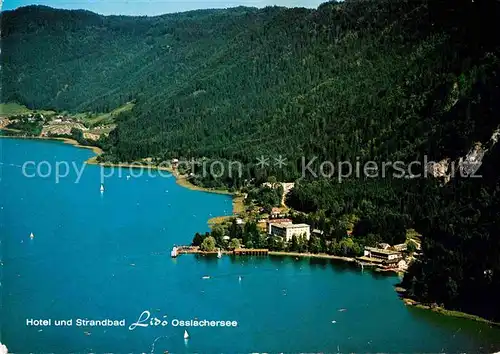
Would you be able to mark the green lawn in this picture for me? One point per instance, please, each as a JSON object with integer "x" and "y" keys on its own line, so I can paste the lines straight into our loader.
{"x": 12, "y": 109}
{"x": 104, "y": 118}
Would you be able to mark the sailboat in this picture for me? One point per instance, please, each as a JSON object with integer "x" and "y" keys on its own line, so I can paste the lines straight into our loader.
{"x": 186, "y": 334}
{"x": 219, "y": 254}
{"x": 32, "y": 236}
{"x": 102, "y": 188}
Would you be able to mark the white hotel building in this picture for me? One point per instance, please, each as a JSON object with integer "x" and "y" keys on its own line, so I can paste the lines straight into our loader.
{"x": 287, "y": 231}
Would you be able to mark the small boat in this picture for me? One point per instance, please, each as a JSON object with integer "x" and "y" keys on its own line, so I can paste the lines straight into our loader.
{"x": 219, "y": 254}
{"x": 186, "y": 334}
{"x": 239, "y": 278}
{"x": 205, "y": 277}
{"x": 32, "y": 236}
{"x": 173, "y": 253}
{"x": 102, "y": 188}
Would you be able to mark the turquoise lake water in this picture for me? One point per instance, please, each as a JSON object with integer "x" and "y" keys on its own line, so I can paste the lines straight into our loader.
{"x": 107, "y": 256}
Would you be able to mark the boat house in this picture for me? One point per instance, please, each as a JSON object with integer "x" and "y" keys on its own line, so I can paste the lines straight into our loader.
{"x": 383, "y": 254}
{"x": 384, "y": 258}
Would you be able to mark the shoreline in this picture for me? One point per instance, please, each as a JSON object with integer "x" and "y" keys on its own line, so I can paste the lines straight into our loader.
{"x": 186, "y": 250}
{"x": 180, "y": 180}
{"x": 441, "y": 310}
{"x": 312, "y": 255}
{"x": 95, "y": 149}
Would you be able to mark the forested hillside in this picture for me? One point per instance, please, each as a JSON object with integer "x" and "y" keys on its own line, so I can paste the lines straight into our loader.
{"x": 356, "y": 80}
{"x": 336, "y": 82}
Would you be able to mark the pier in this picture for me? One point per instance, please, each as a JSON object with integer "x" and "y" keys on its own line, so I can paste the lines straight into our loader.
{"x": 238, "y": 251}
{"x": 251, "y": 251}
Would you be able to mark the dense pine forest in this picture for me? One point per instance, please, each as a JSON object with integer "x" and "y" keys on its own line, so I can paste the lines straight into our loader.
{"x": 357, "y": 80}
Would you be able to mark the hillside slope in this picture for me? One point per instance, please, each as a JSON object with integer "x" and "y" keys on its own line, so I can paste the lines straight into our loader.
{"x": 358, "y": 81}
{"x": 241, "y": 82}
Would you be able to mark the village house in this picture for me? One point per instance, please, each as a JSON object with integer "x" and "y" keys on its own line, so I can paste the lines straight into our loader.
{"x": 287, "y": 231}
{"x": 276, "y": 213}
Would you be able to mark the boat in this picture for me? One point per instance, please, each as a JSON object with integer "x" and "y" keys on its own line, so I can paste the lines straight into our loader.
{"x": 102, "y": 188}
{"x": 173, "y": 253}
{"x": 239, "y": 278}
{"x": 186, "y": 334}
{"x": 219, "y": 254}
{"x": 205, "y": 277}
{"x": 32, "y": 236}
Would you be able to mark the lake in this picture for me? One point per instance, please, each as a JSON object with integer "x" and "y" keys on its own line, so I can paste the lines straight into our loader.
{"x": 99, "y": 256}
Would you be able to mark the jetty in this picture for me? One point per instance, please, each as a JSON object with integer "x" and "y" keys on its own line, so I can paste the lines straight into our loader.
{"x": 237, "y": 251}
{"x": 251, "y": 251}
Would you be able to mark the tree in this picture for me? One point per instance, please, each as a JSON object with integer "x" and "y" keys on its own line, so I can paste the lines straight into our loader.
{"x": 347, "y": 247}
{"x": 235, "y": 230}
{"x": 314, "y": 244}
{"x": 218, "y": 234}
{"x": 234, "y": 244}
{"x": 301, "y": 244}
{"x": 272, "y": 180}
{"x": 294, "y": 245}
{"x": 411, "y": 246}
{"x": 197, "y": 239}
{"x": 208, "y": 244}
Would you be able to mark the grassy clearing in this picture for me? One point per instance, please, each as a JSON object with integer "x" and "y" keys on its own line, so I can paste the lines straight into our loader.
{"x": 12, "y": 109}
{"x": 238, "y": 205}
{"x": 104, "y": 118}
{"x": 218, "y": 220}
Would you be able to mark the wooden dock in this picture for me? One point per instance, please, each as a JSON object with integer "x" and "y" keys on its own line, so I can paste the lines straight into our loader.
{"x": 238, "y": 251}
{"x": 251, "y": 251}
